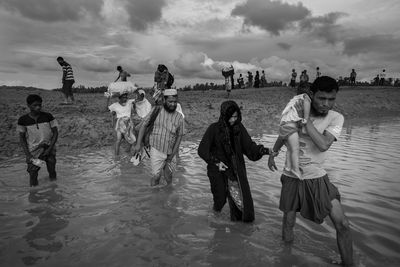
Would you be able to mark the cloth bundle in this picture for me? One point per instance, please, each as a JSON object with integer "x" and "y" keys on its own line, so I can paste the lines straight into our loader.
{"x": 228, "y": 71}
{"x": 118, "y": 88}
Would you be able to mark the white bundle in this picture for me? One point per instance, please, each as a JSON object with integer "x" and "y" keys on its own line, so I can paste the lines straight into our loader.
{"x": 228, "y": 71}
{"x": 120, "y": 88}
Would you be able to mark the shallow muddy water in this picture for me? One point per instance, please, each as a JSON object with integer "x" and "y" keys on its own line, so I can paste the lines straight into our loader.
{"x": 102, "y": 212}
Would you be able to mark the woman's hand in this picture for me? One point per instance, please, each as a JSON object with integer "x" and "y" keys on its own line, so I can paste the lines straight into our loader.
{"x": 221, "y": 166}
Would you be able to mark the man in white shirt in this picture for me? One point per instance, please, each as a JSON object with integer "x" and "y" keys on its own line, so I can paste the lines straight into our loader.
{"x": 315, "y": 197}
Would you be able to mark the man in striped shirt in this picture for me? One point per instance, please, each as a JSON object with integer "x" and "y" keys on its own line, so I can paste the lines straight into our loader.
{"x": 67, "y": 80}
{"x": 165, "y": 137}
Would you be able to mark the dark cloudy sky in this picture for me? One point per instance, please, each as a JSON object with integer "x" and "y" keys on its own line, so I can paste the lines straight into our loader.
{"x": 195, "y": 38}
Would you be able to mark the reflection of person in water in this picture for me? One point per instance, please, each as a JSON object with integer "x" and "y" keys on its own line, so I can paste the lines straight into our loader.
{"x": 228, "y": 238}
{"x": 42, "y": 236}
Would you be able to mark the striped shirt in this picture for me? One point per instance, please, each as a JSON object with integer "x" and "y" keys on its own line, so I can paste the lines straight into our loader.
{"x": 68, "y": 75}
{"x": 167, "y": 128}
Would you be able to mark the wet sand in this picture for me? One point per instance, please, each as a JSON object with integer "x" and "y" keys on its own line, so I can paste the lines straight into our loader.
{"x": 86, "y": 125}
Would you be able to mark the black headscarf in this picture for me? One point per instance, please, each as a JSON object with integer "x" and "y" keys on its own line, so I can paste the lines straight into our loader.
{"x": 228, "y": 132}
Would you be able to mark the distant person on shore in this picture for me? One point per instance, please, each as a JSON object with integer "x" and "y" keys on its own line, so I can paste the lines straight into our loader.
{"x": 257, "y": 80}
{"x": 249, "y": 79}
{"x": 164, "y": 126}
{"x": 240, "y": 81}
{"x": 263, "y": 79}
{"x": 315, "y": 197}
{"x": 293, "y": 78}
{"x": 122, "y": 123}
{"x": 376, "y": 80}
{"x": 353, "y": 76}
{"x": 304, "y": 79}
{"x": 222, "y": 148}
{"x": 228, "y": 73}
{"x": 67, "y": 81}
{"x": 290, "y": 125}
{"x": 382, "y": 77}
{"x": 38, "y": 133}
{"x": 163, "y": 79}
{"x": 318, "y": 73}
{"x": 123, "y": 74}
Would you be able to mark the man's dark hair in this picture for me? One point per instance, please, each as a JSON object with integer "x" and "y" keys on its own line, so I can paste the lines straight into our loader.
{"x": 324, "y": 84}
{"x": 60, "y": 58}
{"x": 119, "y": 68}
{"x": 33, "y": 98}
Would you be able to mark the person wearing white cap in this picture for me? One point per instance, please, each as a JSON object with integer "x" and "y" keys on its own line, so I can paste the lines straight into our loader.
{"x": 164, "y": 138}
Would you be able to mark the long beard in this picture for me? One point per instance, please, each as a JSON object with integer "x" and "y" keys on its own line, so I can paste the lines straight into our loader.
{"x": 169, "y": 109}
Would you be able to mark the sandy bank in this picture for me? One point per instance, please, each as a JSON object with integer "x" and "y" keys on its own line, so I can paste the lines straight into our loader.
{"x": 87, "y": 124}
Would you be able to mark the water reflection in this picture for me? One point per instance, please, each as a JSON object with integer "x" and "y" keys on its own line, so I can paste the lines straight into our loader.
{"x": 50, "y": 220}
{"x": 228, "y": 243}
{"x": 103, "y": 212}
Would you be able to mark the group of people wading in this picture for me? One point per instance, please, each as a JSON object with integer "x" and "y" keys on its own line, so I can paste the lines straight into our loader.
{"x": 307, "y": 119}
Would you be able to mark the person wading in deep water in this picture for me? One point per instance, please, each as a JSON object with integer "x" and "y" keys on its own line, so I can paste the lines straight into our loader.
{"x": 222, "y": 148}
{"x": 315, "y": 197}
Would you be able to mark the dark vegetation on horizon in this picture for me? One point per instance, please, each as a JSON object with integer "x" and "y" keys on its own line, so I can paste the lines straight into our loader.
{"x": 203, "y": 86}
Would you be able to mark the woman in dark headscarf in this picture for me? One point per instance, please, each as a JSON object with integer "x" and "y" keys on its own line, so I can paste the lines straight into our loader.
{"x": 222, "y": 148}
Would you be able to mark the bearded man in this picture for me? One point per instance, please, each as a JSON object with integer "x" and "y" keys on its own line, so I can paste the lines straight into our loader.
{"x": 166, "y": 135}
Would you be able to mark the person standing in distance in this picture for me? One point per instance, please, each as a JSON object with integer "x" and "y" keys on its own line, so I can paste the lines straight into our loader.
{"x": 67, "y": 81}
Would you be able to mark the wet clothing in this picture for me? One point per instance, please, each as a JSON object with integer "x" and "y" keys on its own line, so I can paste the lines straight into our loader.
{"x": 167, "y": 127}
{"x": 125, "y": 126}
{"x": 228, "y": 144}
{"x": 159, "y": 163}
{"x": 122, "y": 110}
{"x": 37, "y": 131}
{"x": 310, "y": 157}
{"x": 50, "y": 160}
{"x": 312, "y": 197}
{"x": 38, "y": 134}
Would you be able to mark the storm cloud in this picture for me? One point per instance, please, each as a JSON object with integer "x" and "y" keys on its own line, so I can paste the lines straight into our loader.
{"x": 143, "y": 13}
{"x": 53, "y": 10}
{"x": 272, "y": 16}
{"x": 324, "y": 27}
{"x": 386, "y": 44}
{"x": 284, "y": 46}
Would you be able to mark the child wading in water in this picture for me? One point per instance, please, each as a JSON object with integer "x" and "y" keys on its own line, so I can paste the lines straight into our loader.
{"x": 123, "y": 126}
{"x": 290, "y": 125}
{"x": 38, "y": 135}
